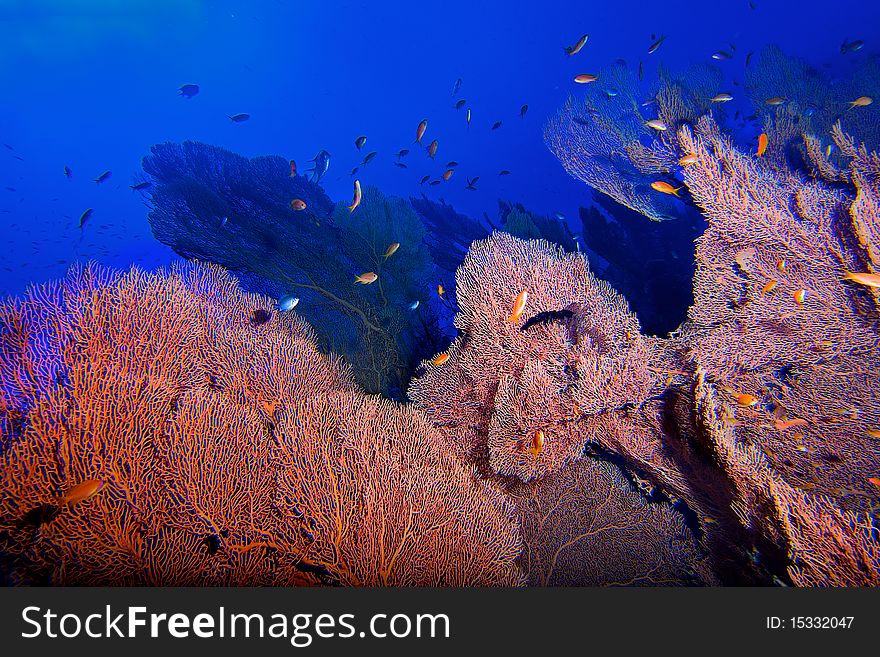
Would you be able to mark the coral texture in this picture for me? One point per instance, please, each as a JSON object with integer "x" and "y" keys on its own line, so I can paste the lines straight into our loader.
{"x": 230, "y": 450}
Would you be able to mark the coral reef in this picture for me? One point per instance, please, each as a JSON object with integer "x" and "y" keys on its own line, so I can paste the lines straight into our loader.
{"x": 226, "y": 449}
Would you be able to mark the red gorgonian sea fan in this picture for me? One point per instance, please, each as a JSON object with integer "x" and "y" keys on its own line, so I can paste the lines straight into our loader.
{"x": 230, "y": 452}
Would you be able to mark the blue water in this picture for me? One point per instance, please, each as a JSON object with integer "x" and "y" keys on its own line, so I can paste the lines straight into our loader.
{"x": 92, "y": 84}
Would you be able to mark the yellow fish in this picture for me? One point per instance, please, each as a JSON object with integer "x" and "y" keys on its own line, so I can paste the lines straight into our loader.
{"x": 537, "y": 443}
{"x": 665, "y": 187}
{"x": 391, "y": 250}
{"x": 440, "y": 359}
{"x": 769, "y": 286}
{"x": 420, "y": 130}
{"x": 657, "y": 124}
{"x": 81, "y": 491}
{"x": 519, "y": 306}
{"x": 762, "y": 144}
{"x": 298, "y": 204}
{"x": 863, "y": 278}
{"x": 356, "y": 201}
{"x": 687, "y": 160}
{"x": 440, "y": 290}
{"x": 366, "y": 279}
{"x": 780, "y": 265}
{"x": 746, "y": 400}
{"x": 861, "y": 101}
{"x": 585, "y": 78}
{"x": 576, "y": 48}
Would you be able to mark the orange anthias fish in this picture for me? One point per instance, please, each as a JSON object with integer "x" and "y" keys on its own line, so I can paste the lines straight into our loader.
{"x": 293, "y": 168}
{"x": 447, "y": 174}
{"x": 585, "y": 78}
{"x": 576, "y": 48}
{"x": 440, "y": 359}
{"x": 298, "y": 204}
{"x": 391, "y": 250}
{"x": 356, "y": 201}
{"x": 656, "y": 45}
{"x": 665, "y": 187}
{"x": 776, "y": 100}
{"x": 432, "y": 149}
{"x": 440, "y": 290}
{"x": 769, "y": 286}
{"x": 782, "y": 425}
{"x": 863, "y": 278}
{"x": 687, "y": 160}
{"x": 536, "y": 443}
{"x": 861, "y": 101}
{"x": 873, "y": 433}
{"x": 420, "y": 131}
{"x": 722, "y": 98}
{"x": 875, "y": 481}
{"x": 366, "y": 279}
{"x": 519, "y": 305}
{"x": 81, "y": 491}
{"x": 762, "y": 144}
{"x": 657, "y": 124}
{"x": 745, "y": 399}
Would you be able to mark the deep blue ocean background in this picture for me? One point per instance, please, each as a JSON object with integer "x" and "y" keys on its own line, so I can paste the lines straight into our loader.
{"x": 92, "y": 84}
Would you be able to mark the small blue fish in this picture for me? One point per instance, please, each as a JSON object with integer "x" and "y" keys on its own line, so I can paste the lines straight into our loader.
{"x": 104, "y": 176}
{"x": 414, "y": 305}
{"x": 68, "y": 172}
{"x": 239, "y": 118}
{"x": 223, "y": 221}
{"x": 287, "y": 302}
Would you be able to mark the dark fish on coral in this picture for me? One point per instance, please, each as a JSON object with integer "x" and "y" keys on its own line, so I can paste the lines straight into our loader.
{"x": 496, "y": 125}
{"x": 139, "y": 187}
{"x": 424, "y": 180}
{"x": 321, "y": 165}
{"x": 369, "y": 158}
{"x": 67, "y": 172}
{"x": 641, "y": 72}
{"x": 523, "y": 111}
{"x": 293, "y": 168}
{"x": 434, "y": 183}
{"x": 654, "y": 46}
{"x": 84, "y": 217}
{"x": 359, "y": 142}
{"x": 239, "y": 118}
{"x": 577, "y": 47}
{"x": 748, "y": 59}
{"x": 504, "y": 172}
{"x": 460, "y": 104}
{"x": 104, "y": 176}
{"x": 546, "y": 317}
{"x": 260, "y": 316}
{"x": 188, "y": 90}
{"x": 456, "y": 86}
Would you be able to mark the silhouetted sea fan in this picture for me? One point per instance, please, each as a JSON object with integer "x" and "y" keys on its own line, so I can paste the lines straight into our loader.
{"x": 232, "y": 452}
{"x": 217, "y": 206}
